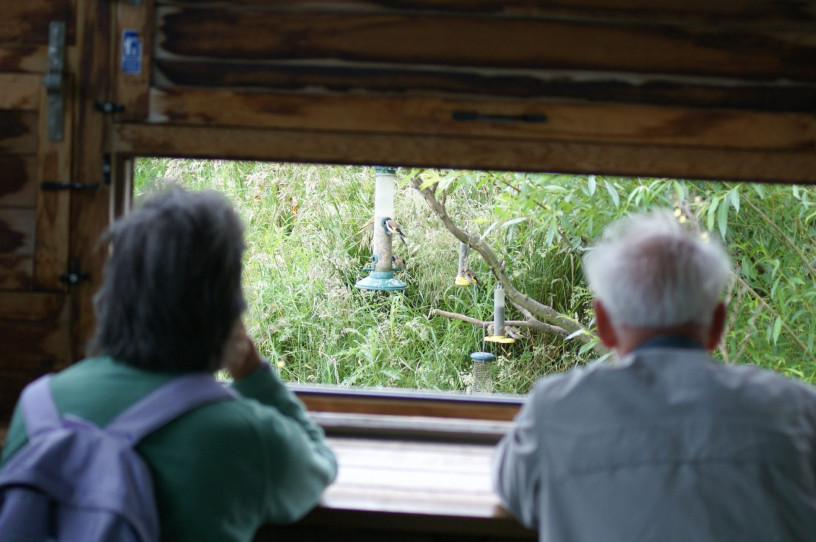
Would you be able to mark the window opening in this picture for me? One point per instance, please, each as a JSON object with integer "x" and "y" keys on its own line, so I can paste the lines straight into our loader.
{"x": 310, "y": 231}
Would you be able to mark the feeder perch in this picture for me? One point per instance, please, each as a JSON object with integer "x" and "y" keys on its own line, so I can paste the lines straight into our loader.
{"x": 498, "y": 318}
{"x": 482, "y": 371}
{"x": 382, "y": 275}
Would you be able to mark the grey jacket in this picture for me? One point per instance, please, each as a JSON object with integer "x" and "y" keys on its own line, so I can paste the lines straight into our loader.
{"x": 667, "y": 445}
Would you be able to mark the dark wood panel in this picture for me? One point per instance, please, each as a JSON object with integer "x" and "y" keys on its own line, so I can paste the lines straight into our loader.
{"x": 518, "y": 120}
{"x": 18, "y": 132}
{"x": 473, "y": 153}
{"x": 718, "y": 50}
{"x": 27, "y": 21}
{"x": 535, "y": 85}
{"x": 23, "y": 58}
{"x": 16, "y": 247}
{"x": 20, "y": 91}
{"x": 767, "y": 12}
{"x": 19, "y": 184}
{"x": 33, "y": 307}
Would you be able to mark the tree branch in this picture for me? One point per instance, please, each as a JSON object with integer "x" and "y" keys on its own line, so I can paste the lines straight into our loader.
{"x": 537, "y": 311}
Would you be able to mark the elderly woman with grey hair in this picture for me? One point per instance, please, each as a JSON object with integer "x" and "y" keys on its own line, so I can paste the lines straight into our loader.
{"x": 666, "y": 444}
{"x": 170, "y": 304}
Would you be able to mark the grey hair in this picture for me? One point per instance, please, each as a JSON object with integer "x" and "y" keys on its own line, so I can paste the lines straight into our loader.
{"x": 649, "y": 271}
{"x": 171, "y": 289}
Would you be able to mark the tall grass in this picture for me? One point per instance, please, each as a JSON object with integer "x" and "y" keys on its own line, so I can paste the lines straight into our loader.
{"x": 307, "y": 245}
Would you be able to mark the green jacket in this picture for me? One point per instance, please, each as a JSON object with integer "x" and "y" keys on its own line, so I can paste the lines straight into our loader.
{"x": 219, "y": 471}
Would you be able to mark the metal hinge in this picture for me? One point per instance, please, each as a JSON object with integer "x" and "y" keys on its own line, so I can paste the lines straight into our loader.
{"x": 55, "y": 82}
{"x": 67, "y": 186}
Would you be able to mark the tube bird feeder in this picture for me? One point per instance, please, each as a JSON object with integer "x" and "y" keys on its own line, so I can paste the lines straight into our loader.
{"x": 464, "y": 252}
{"x": 498, "y": 317}
{"x": 482, "y": 371}
{"x": 382, "y": 276}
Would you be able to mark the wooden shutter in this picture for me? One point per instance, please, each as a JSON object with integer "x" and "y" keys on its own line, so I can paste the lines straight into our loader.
{"x": 34, "y": 304}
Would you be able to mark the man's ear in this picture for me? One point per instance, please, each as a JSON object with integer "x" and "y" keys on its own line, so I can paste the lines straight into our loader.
{"x": 715, "y": 329}
{"x": 606, "y": 330}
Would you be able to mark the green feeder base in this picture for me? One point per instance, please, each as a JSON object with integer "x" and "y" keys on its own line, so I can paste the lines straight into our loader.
{"x": 381, "y": 280}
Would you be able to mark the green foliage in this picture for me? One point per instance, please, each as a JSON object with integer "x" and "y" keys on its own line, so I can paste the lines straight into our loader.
{"x": 307, "y": 245}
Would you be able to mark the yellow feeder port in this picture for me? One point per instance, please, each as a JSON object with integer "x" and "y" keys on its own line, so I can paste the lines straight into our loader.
{"x": 499, "y": 339}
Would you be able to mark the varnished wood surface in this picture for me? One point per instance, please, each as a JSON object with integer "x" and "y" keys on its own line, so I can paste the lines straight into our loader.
{"x": 17, "y": 228}
{"x": 18, "y": 132}
{"x": 752, "y": 12}
{"x": 20, "y": 91}
{"x": 472, "y": 153}
{"x": 27, "y": 22}
{"x": 407, "y": 489}
{"x": 18, "y": 188}
{"x": 556, "y": 121}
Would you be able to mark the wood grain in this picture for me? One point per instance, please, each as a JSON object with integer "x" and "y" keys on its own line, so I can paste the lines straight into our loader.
{"x": 53, "y": 206}
{"x": 27, "y": 22}
{"x": 315, "y": 77}
{"x": 751, "y": 12}
{"x": 23, "y": 58}
{"x": 607, "y": 123}
{"x": 33, "y": 307}
{"x": 19, "y": 185}
{"x": 90, "y": 210}
{"x": 20, "y": 91}
{"x": 461, "y": 152}
{"x": 712, "y": 50}
{"x": 18, "y": 132}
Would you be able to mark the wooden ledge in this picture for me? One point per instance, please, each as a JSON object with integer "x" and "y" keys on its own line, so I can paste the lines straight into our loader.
{"x": 407, "y": 488}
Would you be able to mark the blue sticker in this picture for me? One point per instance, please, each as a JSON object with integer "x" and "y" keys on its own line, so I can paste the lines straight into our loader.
{"x": 131, "y": 52}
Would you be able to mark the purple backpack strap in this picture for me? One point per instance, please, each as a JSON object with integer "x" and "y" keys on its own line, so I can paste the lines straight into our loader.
{"x": 166, "y": 403}
{"x": 39, "y": 411}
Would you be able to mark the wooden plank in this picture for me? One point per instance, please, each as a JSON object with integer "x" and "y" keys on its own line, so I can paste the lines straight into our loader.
{"x": 312, "y": 77}
{"x": 12, "y": 383}
{"x": 19, "y": 185}
{"x": 90, "y": 209}
{"x": 606, "y": 123}
{"x": 53, "y": 206}
{"x": 713, "y": 50}
{"x": 33, "y": 306}
{"x": 472, "y": 153}
{"x": 27, "y": 22}
{"x": 19, "y": 91}
{"x": 734, "y": 11}
{"x": 18, "y": 132}
{"x": 16, "y": 245}
{"x": 132, "y": 89}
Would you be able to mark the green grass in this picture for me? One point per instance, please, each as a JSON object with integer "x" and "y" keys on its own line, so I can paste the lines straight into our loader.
{"x": 307, "y": 245}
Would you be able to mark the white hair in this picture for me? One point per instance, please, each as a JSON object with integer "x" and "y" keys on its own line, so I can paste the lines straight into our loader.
{"x": 648, "y": 271}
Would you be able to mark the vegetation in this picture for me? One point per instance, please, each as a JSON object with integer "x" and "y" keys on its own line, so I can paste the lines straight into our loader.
{"x": 308, "y": 242}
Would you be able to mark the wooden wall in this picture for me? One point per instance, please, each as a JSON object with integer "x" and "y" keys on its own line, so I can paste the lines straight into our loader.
{"x": 34, "y": 307}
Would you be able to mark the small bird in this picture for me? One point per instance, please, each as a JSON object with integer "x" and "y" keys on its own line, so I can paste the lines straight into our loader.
{"x": 398, "y": 263}
{"x": 471, "y": 276}
{"x": 391, "y": 227}
{"x": 514, "y": 332}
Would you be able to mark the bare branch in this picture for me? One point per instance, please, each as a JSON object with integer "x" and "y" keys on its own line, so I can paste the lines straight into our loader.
{"x": 549, "y": 318}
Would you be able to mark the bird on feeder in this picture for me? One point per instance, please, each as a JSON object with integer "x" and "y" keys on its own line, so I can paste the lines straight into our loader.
{"x": 398, "y": 263}
{"x": 514, "y": 332}
{"x": 391, "y": 227}
{"x": 471, "y": 276}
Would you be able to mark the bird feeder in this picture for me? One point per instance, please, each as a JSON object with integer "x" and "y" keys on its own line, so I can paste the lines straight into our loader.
{"x": 482, "y": 371}
{"x": 382, "y": 275}
{"x": 498, "y": 318}
{"x": 464, "y": 252}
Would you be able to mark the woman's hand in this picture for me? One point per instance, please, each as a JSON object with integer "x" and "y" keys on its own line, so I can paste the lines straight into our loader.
{"x": 241, "y": 357}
